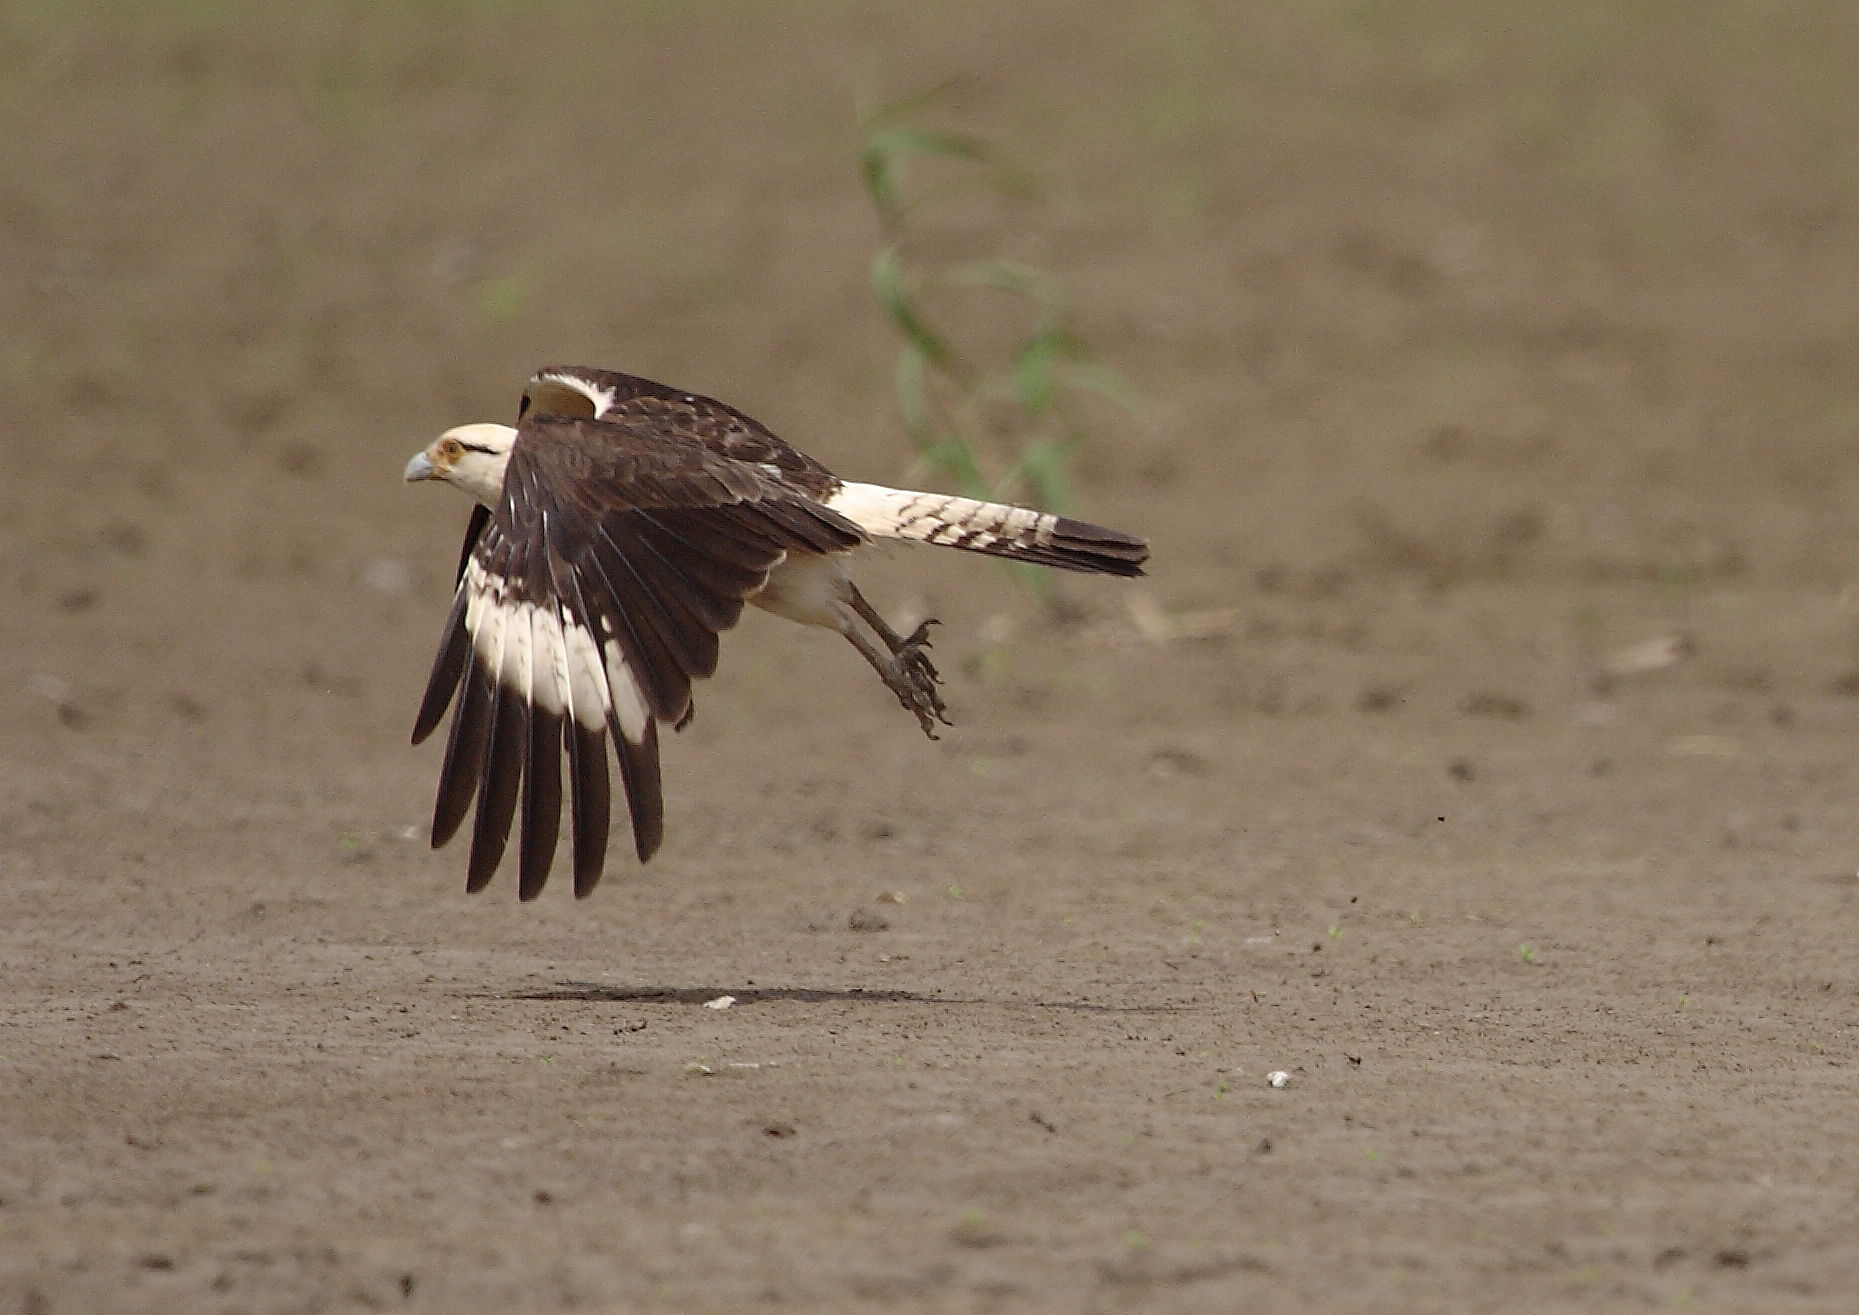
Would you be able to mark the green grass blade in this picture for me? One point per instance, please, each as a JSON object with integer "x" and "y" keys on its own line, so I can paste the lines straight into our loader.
{"x": 888, "y": 280}
{"x": 1091, "y": 377}
{"x": 912, "y": 376}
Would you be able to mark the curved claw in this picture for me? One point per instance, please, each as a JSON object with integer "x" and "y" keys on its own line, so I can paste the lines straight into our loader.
{"x": 914, "y": 679}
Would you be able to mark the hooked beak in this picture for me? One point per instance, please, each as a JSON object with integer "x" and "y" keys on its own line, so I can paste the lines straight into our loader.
{"x": 420, "y": 468}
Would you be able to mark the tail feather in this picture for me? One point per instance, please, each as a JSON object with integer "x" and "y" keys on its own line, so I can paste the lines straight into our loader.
{"x": 1018, "y": 533}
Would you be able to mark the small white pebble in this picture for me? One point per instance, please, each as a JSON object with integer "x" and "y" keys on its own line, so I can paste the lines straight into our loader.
{"x": 1278, "y": 1078}
{"x": 721, "y": 1002}
{"x": 698, "y": 1069}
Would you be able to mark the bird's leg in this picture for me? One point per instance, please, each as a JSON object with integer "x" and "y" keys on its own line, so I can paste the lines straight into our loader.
{"x": 906, "y": 669}
{"x": 909, "y": 675}
{"x": 898, "y": 644}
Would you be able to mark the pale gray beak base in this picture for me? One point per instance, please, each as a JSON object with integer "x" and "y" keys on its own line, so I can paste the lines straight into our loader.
{"x": 420, "y": 468}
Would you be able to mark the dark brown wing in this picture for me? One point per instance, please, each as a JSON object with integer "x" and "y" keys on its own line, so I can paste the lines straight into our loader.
{"x": 589, "y": 601}
{"x": 583, "y": 392}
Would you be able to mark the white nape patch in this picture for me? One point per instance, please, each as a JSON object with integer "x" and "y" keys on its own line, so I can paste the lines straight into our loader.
{"x": 602, "y": 398}
{"x": 628, "y": 700}
{"x": 940, "y": 518}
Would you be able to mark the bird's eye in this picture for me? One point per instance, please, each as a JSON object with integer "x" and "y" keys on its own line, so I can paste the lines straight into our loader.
{"x": 451, "y": 449}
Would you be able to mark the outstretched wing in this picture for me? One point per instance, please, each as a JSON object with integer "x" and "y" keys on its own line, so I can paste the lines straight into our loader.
{"x": 589, "y": 601}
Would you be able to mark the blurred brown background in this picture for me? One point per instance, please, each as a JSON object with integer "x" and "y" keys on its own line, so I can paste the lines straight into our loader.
{"x": 1480, "y": 750}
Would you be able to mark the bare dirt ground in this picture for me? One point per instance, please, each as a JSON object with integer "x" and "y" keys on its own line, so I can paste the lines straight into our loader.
{"x": 1481, "y": 752}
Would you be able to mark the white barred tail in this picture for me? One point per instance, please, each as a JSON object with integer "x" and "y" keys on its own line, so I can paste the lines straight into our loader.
{"x": 994, "y": 528}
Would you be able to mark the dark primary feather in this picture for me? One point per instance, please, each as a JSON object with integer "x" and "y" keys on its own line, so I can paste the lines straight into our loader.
{"x": 645, "y": 791}
{"x": 464, "y": 755}
{"x": 497, "y": 786}
{"x": 500, "y": 771}
{"x": 449, "y": 666}
{"x": 542, "y": 800}
{"x": 639, "y": 778}
{"x": 480, "y": 517}
{"x": 543, "y": 746}
{"x": 646, "y": 590}
{"x": 590, "y": 806}
{"x": 447, "y": 669}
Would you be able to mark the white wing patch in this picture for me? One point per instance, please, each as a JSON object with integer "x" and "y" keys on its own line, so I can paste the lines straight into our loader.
{"x": 629, "y": 706}
{"x": 552, "y": 659}
{"x": 485, "y": 616}
{"x": 514, "y": 672}
{"x": 547, "y": 628}
{"x": 584, "y": 676}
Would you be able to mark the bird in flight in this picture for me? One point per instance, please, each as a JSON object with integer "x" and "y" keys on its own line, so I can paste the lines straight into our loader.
{"x": 619, "y": 528}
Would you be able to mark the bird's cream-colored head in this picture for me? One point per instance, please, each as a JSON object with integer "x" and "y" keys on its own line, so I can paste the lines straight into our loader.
{"x": 471, "y": 456}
